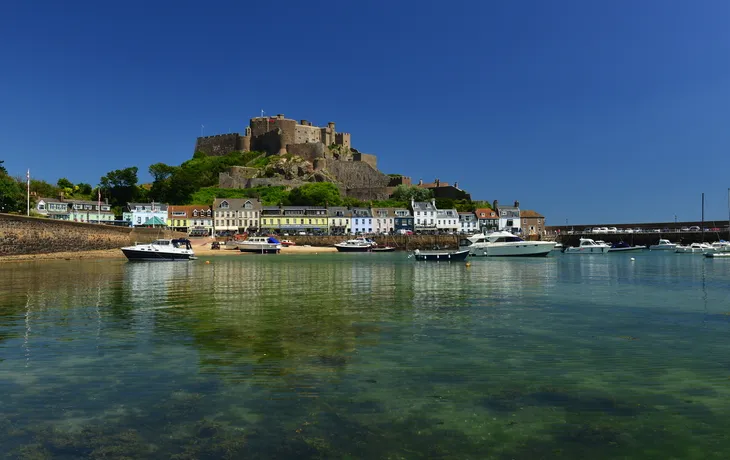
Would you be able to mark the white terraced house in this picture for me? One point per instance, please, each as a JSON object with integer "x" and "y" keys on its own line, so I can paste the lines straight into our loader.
{"x": 424, "y": 216}
{"x": 447, "y": 221}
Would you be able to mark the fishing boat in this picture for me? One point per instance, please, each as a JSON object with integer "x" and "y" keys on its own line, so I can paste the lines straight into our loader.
{"x": 440, "y": 256}
{"x": 663, "y": 245}
{"x": 260, "y": 245}
{"x": 588, "y": 246}
{"x": 622, "y": 246}
{"x": 694, "y": 248}
{"x": 355, "y": 245}
{"x": 160, "y": 250}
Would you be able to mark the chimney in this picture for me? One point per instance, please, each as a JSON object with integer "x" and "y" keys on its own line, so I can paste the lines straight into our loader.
{"x": 438, "y": 182}
{"x": 456, "y": 185}
{"x": 495, "y": 205}
{"x": 420, "y": 181}
{"x": 517, "y": 204}
{"x": 60, "y": 196}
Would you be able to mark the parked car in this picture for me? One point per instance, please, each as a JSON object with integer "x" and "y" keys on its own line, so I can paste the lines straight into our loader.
{"x": 694, "y": 228}
{"x": 611, "y": 230}
{"x": 684, "y": 229}
{"x": 628, "y": 230}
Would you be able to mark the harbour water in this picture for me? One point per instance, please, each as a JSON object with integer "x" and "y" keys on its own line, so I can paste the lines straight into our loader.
{"x": 366, "y": 356}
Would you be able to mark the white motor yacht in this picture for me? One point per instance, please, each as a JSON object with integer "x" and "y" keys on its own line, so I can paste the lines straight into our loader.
{"x": 694, "y": 248}
{"x": 355, "y": 245}
{"x": 160, "y": 250}
{"x": 721, "y": 246}
{"x": 588, "y": 246}
{"x": 663, "y": 245}
{"x": 260, "y": 245}
{"x": 505, "y": 244}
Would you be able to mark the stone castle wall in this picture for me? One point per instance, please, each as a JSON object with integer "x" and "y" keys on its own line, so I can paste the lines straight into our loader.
{"x": 371, "y": 160}
{"x": 356, "y": 174}
{"x": 37, "y": 235}
{"x": 221, "y": 144}
{"x": 309, "y": 152}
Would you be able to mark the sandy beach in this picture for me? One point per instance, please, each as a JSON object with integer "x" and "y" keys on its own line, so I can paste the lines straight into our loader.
{"x": 201, "y": 248}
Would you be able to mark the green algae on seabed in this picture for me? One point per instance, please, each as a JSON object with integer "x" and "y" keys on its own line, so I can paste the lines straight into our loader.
{"x": 365, "y": 357}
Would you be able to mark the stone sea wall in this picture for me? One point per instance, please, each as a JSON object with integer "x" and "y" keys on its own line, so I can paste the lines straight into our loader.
{"x": 37, "y": 235}
{"x": 402, "y": 242}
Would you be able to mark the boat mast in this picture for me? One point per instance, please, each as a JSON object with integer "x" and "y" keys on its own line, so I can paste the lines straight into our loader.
{"x": 703, "y": 217}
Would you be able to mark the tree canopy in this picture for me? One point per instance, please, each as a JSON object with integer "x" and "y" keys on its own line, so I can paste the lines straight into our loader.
{"x": 120, "y": 186}
{"x": 12, "y": 195}
{"x": 2, "y": 168}
{"x": 411, "y": 192}
{"x": 316, "y": 194}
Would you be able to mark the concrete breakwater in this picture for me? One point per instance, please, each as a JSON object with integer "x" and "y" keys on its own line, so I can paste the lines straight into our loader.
{"x": 36, "y": 235}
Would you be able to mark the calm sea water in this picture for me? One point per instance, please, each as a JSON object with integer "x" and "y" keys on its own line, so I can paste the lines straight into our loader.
{"x": 366, "y": 356}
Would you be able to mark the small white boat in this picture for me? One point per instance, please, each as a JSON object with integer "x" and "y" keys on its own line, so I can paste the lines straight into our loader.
{"x": 721, "y": 246}
{"x": 694, "y": 248}
{"x": 160, "y": 250}
{"x": 505, "y": 244}
{"x": 558, "y": 247}
{"x": 260, "y": 245}
{"x": 663, "y": 245}
{"x": 588, "y": 246}
{"x": 718, "y": 255}
{"x": 355, "y": 245}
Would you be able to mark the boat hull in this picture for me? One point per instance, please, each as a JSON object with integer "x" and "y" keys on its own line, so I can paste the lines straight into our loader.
{"x": 589, "y": 250}
{"x": 385, "y": 249}
{"x": 442, "y": 256}
{"x": 259, "y": 248}
{"x": 631, "y": 249}
{"x": 717, "y": 255}
{"x": 526, "y": 249}
{"x": 345, "y": 248}
{"x": 663, "y": 247}
{"x": 153, "y": 256}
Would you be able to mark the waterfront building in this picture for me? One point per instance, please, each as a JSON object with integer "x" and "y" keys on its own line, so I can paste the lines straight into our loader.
{"x": 236, "y": 215}
{"x": 533, "y": 223}
{"x": 270, "y": 219}
{"x": 90, "y": 211}
{"x": 307, "y": 219}
{"x": 145, "y": 214}
{"x": 509, "y": 217}
{"x": 75, "y": 210}
{"x": 468, "y": 223}
{"x": 447, "y": 221}
{"x": 196, "y": 219}
{"x": 339, "y": 220}
{"x": 362, "y": 221}
{"x": 488, "y": 220}
{"x": 53, "y": 208}
{"x": 403, "y": 220}
{"x": 383, "y": 220}
{"x": 424, "y": 215}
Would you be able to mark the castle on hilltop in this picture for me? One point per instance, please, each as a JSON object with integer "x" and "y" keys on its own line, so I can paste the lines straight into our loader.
{"x": 278, "y": 136}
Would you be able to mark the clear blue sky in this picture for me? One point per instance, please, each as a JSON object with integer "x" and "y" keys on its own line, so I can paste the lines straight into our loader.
{"x": 588, "y": 111}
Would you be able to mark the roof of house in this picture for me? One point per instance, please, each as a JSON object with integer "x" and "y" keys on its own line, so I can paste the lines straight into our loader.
{"x": 159, "y": 206}
{"x": 361, "y": 212}
{"x": 237, "y": 203}
{"x": 188, "y": 209}
{"x": 333, "y": 210}
{"x": 423, "y": 206}
{"x": 389, "y": 212}
{"x": 50, "y": 200}
{"x": 446, "y": 212}
{"x": 486, "y": 213}
{"x": 530, "y": 213}
{"x": 467, "y": 215}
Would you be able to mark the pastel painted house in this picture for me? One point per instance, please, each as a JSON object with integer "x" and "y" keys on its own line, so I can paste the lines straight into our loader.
{"x": 362, "y": 221}
{"x": 145, "y": 214}
{"x": 403, "y": 220}
{"x": 192, "y": 219}
{"x": 237, "y": 215}
{"x": 339, "y": 220}
{"x": 468, "y": 223}
{"x": 509, "y": 217}
{"x": 383, "y": 220}
{"x": 447, "y": 221}
{"x": 75, "y": 210}
{"x": 488, "y": 220}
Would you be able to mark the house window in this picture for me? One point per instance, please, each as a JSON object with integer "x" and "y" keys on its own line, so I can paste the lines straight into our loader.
{"x": 224, "y": 204}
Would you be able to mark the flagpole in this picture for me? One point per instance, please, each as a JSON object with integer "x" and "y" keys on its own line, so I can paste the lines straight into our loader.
{"x": 27, "y": 196}
{"x": 98, "y": 206}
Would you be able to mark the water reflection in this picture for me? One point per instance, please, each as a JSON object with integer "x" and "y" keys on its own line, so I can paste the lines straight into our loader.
{"x": 365, "y": 356}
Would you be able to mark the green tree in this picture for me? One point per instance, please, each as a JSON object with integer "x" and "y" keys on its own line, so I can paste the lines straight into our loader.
{"x": 84, "y": 188}
{"x": 316, "y": 194}
{"x": 12, "y": 195}
{"x": 43, "y": 189}
{"x": 2, "y": 168}
{"x": 64, "y": 183}
{"x": 120, "y": 186}
{"x": 410, "y": 192}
